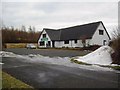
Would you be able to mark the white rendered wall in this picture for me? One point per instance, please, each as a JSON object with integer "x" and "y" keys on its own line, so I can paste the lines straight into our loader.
{"x": 98, "y": 39}
{"x": 59, "y": 44}
{"x": 41, "y": 36}
{"x": 72, "y": 43}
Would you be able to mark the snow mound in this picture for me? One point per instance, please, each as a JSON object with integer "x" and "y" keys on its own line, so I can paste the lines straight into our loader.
{"x": 1, "y": 63}
{"x": 101, "y": 56}
{"x": 6, "y": 54}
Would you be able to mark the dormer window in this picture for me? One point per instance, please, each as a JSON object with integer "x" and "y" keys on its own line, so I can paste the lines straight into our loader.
{"x": 101, "y": 32}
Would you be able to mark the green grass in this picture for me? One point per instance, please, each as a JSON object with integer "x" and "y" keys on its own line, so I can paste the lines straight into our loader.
{"x": 116, "y": 67}
{"x": 83, "y": 63}
{"x": 113, "y": 67}
{"x": 10, "y": 82}
{"x": 78, "y": 62}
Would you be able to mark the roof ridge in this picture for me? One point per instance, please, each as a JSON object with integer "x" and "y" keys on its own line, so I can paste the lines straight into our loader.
{"x": 73, "y": 26}
{"x": 80, "y": 25}
{"x": 49, "y": 29}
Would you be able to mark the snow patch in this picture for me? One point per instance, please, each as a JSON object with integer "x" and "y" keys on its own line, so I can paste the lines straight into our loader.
{"x": 7, "y": 54}
{"x": 1, "y": 63}
{"x": 101, "y": 56}
{"x": 65, "y": 61}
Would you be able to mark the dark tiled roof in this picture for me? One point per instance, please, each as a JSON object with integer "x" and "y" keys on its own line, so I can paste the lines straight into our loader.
{"x": 53, "y": 34}
{"x": 75, "y": 32}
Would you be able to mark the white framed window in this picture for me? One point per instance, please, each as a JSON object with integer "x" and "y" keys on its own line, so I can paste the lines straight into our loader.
{"x": 101, "y": 32}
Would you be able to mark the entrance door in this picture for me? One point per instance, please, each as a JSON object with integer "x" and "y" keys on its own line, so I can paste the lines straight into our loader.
{"x": 104, "y": 42}
{"x": 53, "y": 44}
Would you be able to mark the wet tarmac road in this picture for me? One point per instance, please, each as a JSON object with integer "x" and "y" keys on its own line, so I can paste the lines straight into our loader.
{"x": 47, "y": 75}
{"x": 58, "y": 76}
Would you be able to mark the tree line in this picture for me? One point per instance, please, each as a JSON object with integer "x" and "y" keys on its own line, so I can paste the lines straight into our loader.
{"x": 14, "y": 35}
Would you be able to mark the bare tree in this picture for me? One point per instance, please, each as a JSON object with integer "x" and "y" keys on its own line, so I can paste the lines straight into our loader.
{"x": 12, "y": 35}
{"x": 23, "y": 28}
{"x": 115, "y": 44}
{"x": 33, "y": 29}
{"x": 30, "y": 29}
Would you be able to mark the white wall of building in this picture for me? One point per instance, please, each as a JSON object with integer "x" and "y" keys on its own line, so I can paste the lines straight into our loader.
{"x": 98, "y": 39}
{"x": 41, "y": 36}
{"x": 72, "y": 43}
{"x": 59, "y": 44}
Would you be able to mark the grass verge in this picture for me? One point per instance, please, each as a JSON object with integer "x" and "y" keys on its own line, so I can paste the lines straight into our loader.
{"x": 116, "y": 67}
{"x": 10, "y": 82}
{"x": 113, "y": 67}
{"x": 78, "y": 62}
{"x": 83, "y": 63}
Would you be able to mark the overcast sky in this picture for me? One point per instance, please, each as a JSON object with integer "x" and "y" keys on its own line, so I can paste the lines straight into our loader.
{"x": 59, "y": 14}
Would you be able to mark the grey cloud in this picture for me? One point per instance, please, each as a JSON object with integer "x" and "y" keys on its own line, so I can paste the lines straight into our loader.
{"x": 59, "y": 14}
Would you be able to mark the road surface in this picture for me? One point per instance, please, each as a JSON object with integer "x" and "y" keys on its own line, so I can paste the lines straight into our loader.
{"x": 44, "y": 75}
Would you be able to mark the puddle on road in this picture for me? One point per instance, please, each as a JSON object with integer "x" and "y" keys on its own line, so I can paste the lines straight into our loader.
{"x": 65, "y": 61}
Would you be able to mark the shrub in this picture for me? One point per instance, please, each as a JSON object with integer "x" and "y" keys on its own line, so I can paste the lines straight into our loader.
{"x": 115, "y": 44}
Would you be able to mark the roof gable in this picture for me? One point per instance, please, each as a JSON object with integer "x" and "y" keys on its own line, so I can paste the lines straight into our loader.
{"x": 106, "y": 31}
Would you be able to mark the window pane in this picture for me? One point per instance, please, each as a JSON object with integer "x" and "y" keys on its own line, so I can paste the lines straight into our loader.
{"x": 42, "y": 43}
{"x": 44, "y": 35}
{"x": 100, "y": 32}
